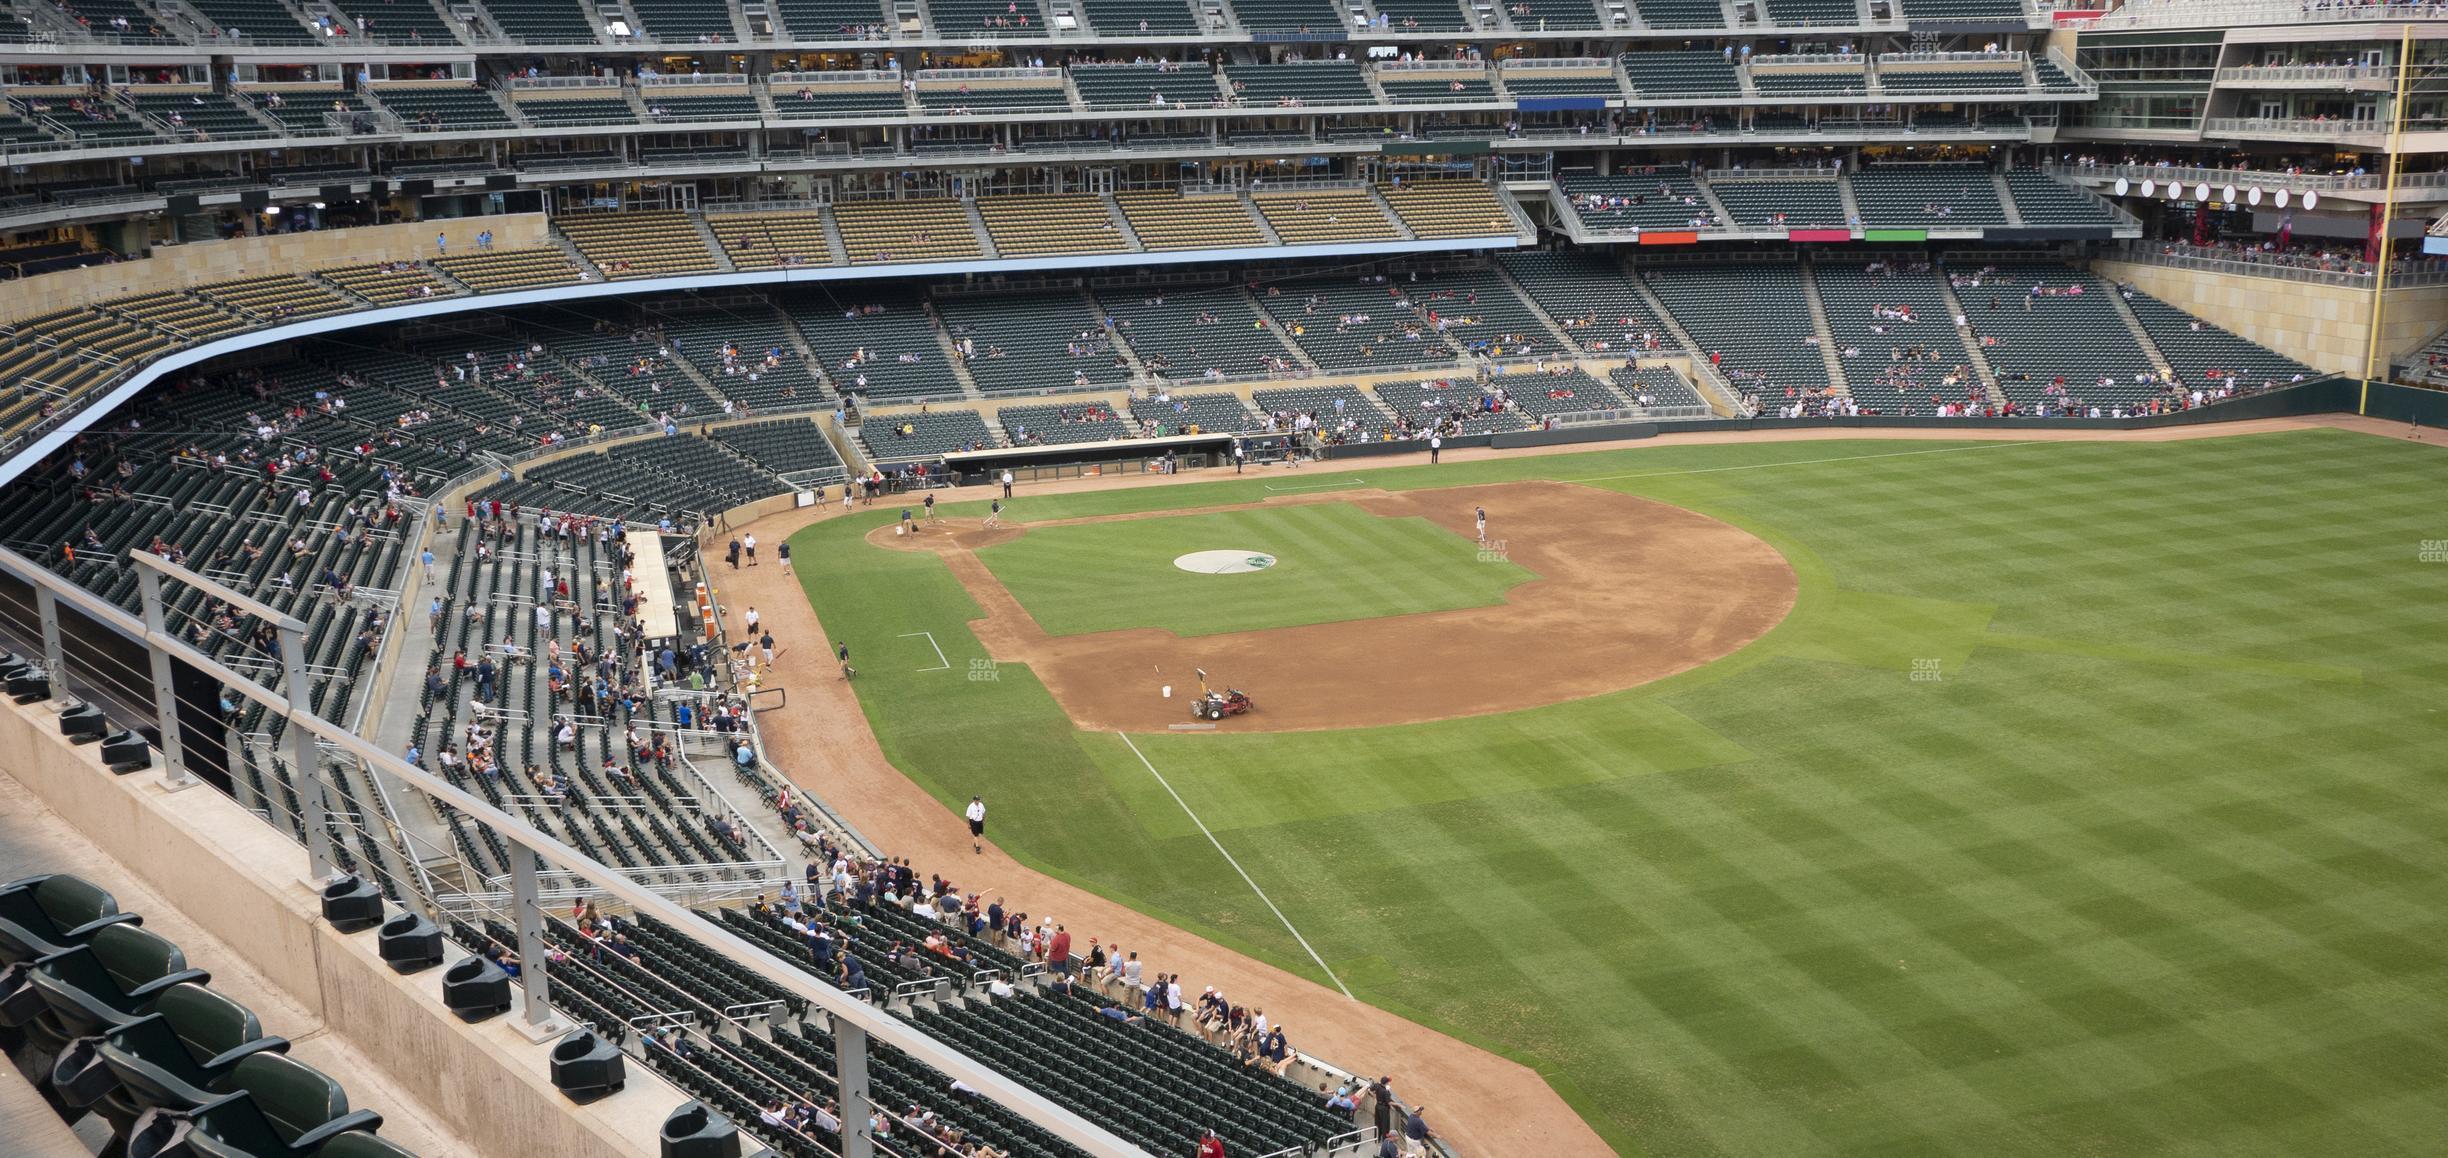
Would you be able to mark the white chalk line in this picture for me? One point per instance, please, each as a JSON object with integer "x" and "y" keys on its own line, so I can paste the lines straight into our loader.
{"x": 1805, "y": 461}
{"x": 1236, "y": 865}
{"x": 1352, "y": 482}
{"x": 939, "y": 655}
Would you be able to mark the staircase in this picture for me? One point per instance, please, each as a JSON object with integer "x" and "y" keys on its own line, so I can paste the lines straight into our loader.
{"x": 1545, "y": 319}
{"x": 1265, "y": 228}
{"x": 2005, "y": 196}
{"x": 1971, "y": 343}
{"x": 1300, "y": 357}
{"x": 977, "y": 225}
{"x": 713, "y": 244}
{"x": 943, "y": 338}
{"x": 1844, "y": 193}
{"x": 1708, "y": 197}
{"x": 1121, "y": 345}
{"x": 1121, "y": 220}
{"x": 2124, "y": 310}
{"x": 833, "y": 238}
{"x": 1826, "y": 333}
{"x": 1383, "y": 206}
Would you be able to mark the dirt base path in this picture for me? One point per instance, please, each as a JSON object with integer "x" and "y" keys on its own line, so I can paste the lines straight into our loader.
{"x": 1630, "y": 590}
{"x": 1488, "y": 1106}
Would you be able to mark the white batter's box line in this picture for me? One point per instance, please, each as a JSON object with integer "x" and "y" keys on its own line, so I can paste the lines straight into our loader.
{"x": 942, "y": 663}
{"x": 1349, "y": 482}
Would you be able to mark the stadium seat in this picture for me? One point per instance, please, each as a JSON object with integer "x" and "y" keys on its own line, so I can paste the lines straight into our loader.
{"x": 278, "y": 1108}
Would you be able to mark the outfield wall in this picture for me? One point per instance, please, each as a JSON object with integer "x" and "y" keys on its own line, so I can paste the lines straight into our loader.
{"x": 2325, "y": 327}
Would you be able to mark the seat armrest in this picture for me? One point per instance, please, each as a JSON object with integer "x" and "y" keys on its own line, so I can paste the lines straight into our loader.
{"x": 231, "y": 1057}
{"x": 353, "y": 1121}
{"x": 96, "y": 925}
{"x": 149, "y": 988}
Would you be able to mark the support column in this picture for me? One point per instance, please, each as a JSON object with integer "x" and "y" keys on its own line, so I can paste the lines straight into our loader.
{"x": 55, "y": 657}
{"x": 850, "y": 1070}
{"x": 526, "y": 905}
{"x": 165, "y": 696}
{"x": 303, "y": 758}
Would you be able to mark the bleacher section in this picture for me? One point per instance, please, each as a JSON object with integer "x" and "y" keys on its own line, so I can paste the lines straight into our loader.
{"x": 453, "y": 109}
{"x": 1754, "y": 317}
{"x": 1446, "y": 209}
{"x": 277, "y": 298}
{"x": 493, "y": 271}
{"x": 1589, "y": 299}
{"x": 914, "y": 229}
{"x": 258, "y": 21}
{"x": 1781, "y": 204}
{"x": 1091, "y": 421}
{"x": 1165, "y": 221}
{"x": 1658, "y": 198}
{"x": 1319, "y": 82}
{"x": 832, "y": 19}
{"x": 1342, "y": 413}
{"x": 559, "y": 112}
{"x": 1039, "y": 225}
{"x": 1196, "y": 333}
{"x": 1448, "y": 403}
{"x": 387, "y": 284}
{"x": 1125, "y": 17}
{"x": 2045, "y": 200}
{"x": 2067, "y": 347}
{"x": 679, "y": 22}
{"x": 873, "y": 344}
{"x": 1937, "y": 196}
{"x": 1355, "y": 325}
{"x": 1658, "y": 390}
{"x": 629, "y": 245}
{"x": 200, "y": 115}
{"x": 1896, "y": 336}
{"x": 1169, "y": 413}
{"x": 1031, "y": 343}
{"x": 793, "y": 448}
{"x": 924, "y": 434}
{"x": 1679, "y": 75}
{"x": 1681, "y": 13}
{"x": 1325, "y": 217}
{"x": 1307, "y": 16}
{"x": 2205, "y": 356}
{"x": 542, "y": 21}
{"x": 783, "y": 240}
{"x": 1137, "y": 86}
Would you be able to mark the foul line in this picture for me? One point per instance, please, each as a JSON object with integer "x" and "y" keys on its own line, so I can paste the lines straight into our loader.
{"x": 939, "y": 655}
{"x": 1807, "y": 461}
{"x": 1349, "y": 482}
{"x": 1228, "y": 859}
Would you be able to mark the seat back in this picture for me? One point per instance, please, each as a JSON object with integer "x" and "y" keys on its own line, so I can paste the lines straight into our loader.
{"x": 207, "y": 1023}
{"x": 293, "y": 1096}
{"x": 134, "y": 957}
{"x": 38, "y": 913}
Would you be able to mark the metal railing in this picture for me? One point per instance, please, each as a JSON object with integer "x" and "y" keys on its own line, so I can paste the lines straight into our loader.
{"x": 2291, "y": 127}
{"x": 2351, "y": 273}
{"x": 310, "y": 736}
{"x": 2318, "y": 73}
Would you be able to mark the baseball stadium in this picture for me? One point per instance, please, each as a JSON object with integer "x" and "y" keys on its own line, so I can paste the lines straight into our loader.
{"x": 1223, "y": 578}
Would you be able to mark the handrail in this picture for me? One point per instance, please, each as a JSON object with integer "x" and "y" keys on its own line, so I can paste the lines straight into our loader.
{"x": 839, "y": 1007}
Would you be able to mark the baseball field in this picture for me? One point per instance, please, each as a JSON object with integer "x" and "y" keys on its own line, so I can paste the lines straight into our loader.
{"x": 1810, "y": 797}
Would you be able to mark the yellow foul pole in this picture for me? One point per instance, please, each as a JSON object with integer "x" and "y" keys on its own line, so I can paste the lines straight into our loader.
{"x": 2388, "y": 217}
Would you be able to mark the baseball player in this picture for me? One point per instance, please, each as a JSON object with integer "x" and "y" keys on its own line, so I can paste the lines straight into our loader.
{"x": 977, "y": 825}
{"x": 929, "y": 503}
{"x": 841, "y": 652}
{"x": 994, "y": 513}
{"x": 1481, "y": 512}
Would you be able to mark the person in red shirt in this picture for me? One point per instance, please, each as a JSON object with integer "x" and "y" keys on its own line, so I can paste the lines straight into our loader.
{"x": 1210, "y": 1146}
{"x": 1058, "y": 953}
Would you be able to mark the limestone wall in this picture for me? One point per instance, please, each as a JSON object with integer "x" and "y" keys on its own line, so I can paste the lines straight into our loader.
{"x": 179, "y": 266}
{"x": 2322, "y": 326}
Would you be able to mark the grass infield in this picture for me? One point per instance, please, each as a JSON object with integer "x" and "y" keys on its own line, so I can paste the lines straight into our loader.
{"x": 1334, "y": 562}
{"x": 2089, "y": 802}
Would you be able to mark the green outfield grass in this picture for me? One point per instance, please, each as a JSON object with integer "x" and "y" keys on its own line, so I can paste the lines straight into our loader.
{"x": 2090, "y": 802}
{"x": 1334, "y": 561}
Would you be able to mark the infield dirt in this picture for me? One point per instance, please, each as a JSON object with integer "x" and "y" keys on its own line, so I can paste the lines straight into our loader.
{"x": 1629, "y": 591}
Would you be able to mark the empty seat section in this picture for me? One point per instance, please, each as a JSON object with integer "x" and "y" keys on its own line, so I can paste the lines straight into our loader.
{"x": 833, "y": 19}
{"x": 1421, "y": 16}
{"x": 551, "y": 112}
{"x": 1317, "y": 16}
{"x": 1682, "y": 74}
{"x": 2044, "y": 200}
{"x": 1166, "y": 221}
{"x": 627, "y": 245}
{"x": 2208, "y": 357}
{"x": 1157, "y": 17}
{"x": 793, "y": 448}
{"x": 1681, "y": 13}
{"x": 458, "y": 108}
{"x": 1325, "y": 217}
{"x": 676, "y": 22}
{"x": 1040, "y": 225}
{"x": 260, "y": 21}
{"x": 1781, "y": 204}
{"x": 1901, "y": 81}
{"x": 1355, "y": 325}
{"x": 914, "y": 229}
{"x": 277, "y": 298}
{"x": 1590, "y": 300}
{"x": 1114, "y": 86}
{"x": 782, "y": 240}
{"x": 665, "y": 105}
{"x": 1092, "y": 420}
{"x": 542, "y": 21}
{"x": 1895, "y": 336}
{"x": 1032, "y": 343}
{"x": 1192, "y": 333}
{"x": 1753, "y": 317}
{"x": 1666, "y": 197}
{"x": 987, "y": 17}
{"x": 1321, "y": 82}
{"x": 1441, "y": 209}
{"x": 388, "y": 283}
{"x": 924, "y": 434}
{"x": 507, "y": 269}
{"x": 1812, "y": 13}
{"x": 2065, "y": 345}
{"x": 1938, "y": 196}
{"x": 957, "y": 97}
{"x": 872, "y": 343}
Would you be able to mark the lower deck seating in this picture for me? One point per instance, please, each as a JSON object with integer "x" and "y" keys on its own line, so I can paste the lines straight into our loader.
{"x": 875, "y": 347}
{"x": 1338, "y": 413}
{"x": 793, "y": 447}
{"x": 1196, "y": 333}
{"x": 924, "y": 434}
{"x": 1032, "y": 342}
{"x": 1090, "y": 421}
{"x": 1167, "y": 413}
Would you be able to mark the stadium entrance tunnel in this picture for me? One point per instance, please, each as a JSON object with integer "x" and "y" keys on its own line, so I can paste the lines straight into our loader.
{"x": 1629, "y": 591}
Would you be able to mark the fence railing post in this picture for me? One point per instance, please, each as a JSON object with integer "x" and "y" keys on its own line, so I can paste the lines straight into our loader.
{"x": 165, "y": 696}
{"x": 55, "y": 656}
{"x": 850, "y": 1077}
{"x": 526, "y": 904}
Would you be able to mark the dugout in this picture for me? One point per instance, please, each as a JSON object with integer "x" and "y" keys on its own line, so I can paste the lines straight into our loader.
{"x": 1103, "y": 457}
